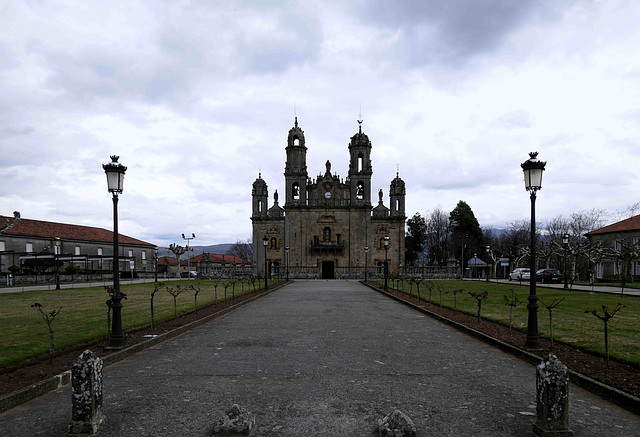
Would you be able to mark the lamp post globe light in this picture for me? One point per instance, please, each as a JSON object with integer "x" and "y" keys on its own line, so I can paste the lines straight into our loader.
{"x": 265, "y": 242}
{"x": 533, "y": 169}
{"x": 115, "y": 180}
{"x": 287, "y": 251}
{"x": 386, "y": 263}
{"x": 366, "y": 254}
{"x": 58, "y": 242}
{"x": 565, "y": 243}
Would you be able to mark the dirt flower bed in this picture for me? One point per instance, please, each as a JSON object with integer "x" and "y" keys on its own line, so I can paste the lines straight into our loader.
{"x": 619, "y": 375}
{"x": 32, "y": 371}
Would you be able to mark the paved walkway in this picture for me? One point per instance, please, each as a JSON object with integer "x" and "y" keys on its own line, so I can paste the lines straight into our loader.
{"x": 321, "y": 358}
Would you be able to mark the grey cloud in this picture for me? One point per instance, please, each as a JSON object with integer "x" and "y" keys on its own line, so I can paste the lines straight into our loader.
{"x": 513, "y": 120}
{"x": 449, "y": 32}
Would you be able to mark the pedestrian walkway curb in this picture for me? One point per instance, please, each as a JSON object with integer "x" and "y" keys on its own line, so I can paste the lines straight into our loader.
{"x": 624, "y": 400}
{"x": 26, "y": 394}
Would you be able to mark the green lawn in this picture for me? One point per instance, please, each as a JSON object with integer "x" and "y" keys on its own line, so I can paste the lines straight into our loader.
{"x": 23, "y": 333}
{"x": 570, "y": 323}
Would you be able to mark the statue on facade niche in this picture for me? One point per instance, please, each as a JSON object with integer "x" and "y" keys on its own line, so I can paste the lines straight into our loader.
{"x": 275, "y": 196}
{"x": 380, "y": 195}
{"x": 328, "y": 165}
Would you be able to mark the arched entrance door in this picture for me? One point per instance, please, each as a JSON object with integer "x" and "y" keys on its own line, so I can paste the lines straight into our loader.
{"x": 328, "y": 271}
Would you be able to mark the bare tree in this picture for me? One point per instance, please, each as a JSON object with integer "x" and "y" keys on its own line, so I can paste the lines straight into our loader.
{"x": 175, "y": 292}
{"x": 156, "y": 288}
{"x": 243, "y": 249}
{"x": 177, "y": 251}
{"x": 479, "y": 296}
{"x": 605, "y": 317}
{"x": 438, "y": 236}
{"x": 48, "y": 318}
{"x": 550, "y": 308}
{"x": 512, "y": 302}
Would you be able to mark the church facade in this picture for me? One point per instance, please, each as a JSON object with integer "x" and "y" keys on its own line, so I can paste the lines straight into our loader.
{"x": 327, "y": 226}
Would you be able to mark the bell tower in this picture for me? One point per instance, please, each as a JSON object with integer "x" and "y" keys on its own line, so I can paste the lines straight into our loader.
{"x": 295, "y": 170}
{"x": 360, "y": 170}
{"x": 260, "y": 193}
{"x": 397, "y": 193}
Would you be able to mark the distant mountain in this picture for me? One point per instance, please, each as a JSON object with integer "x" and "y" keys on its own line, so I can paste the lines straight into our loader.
{"x": 196, "y": 250}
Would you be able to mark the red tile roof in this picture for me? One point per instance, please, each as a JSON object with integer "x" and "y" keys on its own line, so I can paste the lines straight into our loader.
{"x": 166, "y": 260}
{"x": 50, "y": 230}
{"x": 630, "y": 224}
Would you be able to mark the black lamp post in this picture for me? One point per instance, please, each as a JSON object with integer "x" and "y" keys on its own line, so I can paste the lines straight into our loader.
{"x": 286, "y": 249}
{"x": 156, "y": 264}
{"x": 265, "y": 242}
{"x": 386, "y": 263}
{"x": 115, "y": 179}
{"x": 58, "y": 242}
{"x": 366, "y": 255}
{"x": 565, "y": 243}
{"x": 489, "y": 259}
{"x": 533, "y": 169}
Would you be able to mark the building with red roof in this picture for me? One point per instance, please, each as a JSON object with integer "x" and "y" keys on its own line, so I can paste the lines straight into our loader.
{"x": 85, "y": 247}
{"x": 622, "y": 237}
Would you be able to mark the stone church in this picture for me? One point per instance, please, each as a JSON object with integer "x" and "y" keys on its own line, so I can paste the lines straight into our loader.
{"x": 327, "y": 227}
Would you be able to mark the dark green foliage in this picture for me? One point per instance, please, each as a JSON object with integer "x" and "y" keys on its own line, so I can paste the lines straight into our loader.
{"x": 415, "y": 238}
{"x": 465, "y": 230}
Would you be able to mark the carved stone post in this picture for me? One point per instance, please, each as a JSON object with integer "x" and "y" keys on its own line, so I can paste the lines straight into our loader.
{"x": 86, "y": 399}
{"x": 552, "y": 387}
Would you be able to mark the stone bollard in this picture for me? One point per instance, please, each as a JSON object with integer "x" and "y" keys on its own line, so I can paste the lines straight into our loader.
{"x": 552, "y": 394}
{"x": 86, "y": 397}
{"x": 396, "y": 424}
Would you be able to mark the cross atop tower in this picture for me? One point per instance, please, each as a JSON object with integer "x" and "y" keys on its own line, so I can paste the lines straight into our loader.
{"x": 360, "y": 120}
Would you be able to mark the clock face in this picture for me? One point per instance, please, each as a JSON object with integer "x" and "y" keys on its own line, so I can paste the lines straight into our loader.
{"x": 327, "y": 195}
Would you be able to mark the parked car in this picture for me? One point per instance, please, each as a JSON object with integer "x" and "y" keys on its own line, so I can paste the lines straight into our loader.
{"x": 548, "y": 275}
{"x": 520, "y": 274}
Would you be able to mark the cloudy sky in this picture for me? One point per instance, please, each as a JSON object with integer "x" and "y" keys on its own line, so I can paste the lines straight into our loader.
{"x": 197, "y": 97}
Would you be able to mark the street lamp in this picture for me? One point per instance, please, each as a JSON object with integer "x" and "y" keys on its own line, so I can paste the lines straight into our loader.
{"x": 265, "y": 242}
{"x": 366, "y": 255}
{"x": 115, "y": 180}
{"x": 57, "y": 241}
{"x": 286, "y": 249}
{"x": 156, "y": 263}
{"x": 565, "y": 243}
{"x": 386, "y": 263}
{"x": 189, "y": 259}
{"x": 533, "y": 169}
{"x": 488, "y": 258}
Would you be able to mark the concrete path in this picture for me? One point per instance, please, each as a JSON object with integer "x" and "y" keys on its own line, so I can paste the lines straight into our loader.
{"x": 321, "y": 358}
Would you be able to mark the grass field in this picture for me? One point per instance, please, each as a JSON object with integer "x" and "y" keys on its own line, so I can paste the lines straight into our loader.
{"x": 570, "y": 322}
{"x": 83, "y": 318}
{"x": 23, "y": 334}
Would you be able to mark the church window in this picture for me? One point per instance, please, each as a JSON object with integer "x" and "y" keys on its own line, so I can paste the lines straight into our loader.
{"x": 326, "y": 234}
{"x": 360, "y": 162}
{"x": 274, "y": 243}
{"x": 296, "y": 191}
{"x": 296, "y": 141}
{"x": 397, "y": 205}
{"x": 259, "y": 205}
{"x": 360, "y": 191}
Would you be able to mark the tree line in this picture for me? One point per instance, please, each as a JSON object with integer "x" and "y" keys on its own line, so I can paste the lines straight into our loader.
{"x": 439, "y": 238}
